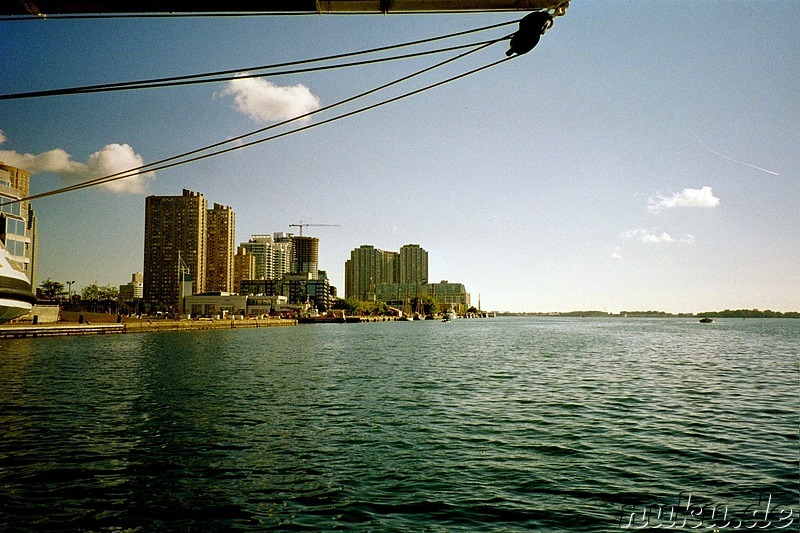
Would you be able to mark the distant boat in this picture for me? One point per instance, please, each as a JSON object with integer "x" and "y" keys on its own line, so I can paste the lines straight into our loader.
{"x": 706, "y": 320}
{"x": 16, "y": 297}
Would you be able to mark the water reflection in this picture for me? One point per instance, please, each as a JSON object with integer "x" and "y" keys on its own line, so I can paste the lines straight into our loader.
{"x": 495, "y": 423}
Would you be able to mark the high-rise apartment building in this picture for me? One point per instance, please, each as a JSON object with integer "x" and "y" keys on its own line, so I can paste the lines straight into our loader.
{"x": 363, "y": 272}
{"x": 18, "y": 224}
{"x": 369, "y": 267}
{"x": 305, "y": 255}
{"x": 175, "y": 236}
{"x": 413, "y": 264}
{"x": 273, "y": 254}
{"x": 244, "y": 267}
{"x": 281, "y": 254}
{"x": 220, "y": 249}
{"x": 390, "y": 266}
{"x": 260, "y": 247}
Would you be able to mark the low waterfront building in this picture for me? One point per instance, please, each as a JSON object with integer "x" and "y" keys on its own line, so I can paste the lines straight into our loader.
{"x": 397, "y": 293}
{"x": 297, "y": 288}
{"x": 448, "y": 295}
{"x": 215, "y": 304}
{"x": 264, "y": 305}
{"x": 133, "y": 290}
{"x": 261, "y": 287}
{"x": 226, "y": 305}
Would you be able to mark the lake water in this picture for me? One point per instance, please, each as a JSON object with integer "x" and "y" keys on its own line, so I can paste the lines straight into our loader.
{"x": 534, "y": 424}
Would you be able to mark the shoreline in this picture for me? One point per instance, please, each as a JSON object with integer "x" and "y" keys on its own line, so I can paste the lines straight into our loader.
{"x": 58, "y": 329}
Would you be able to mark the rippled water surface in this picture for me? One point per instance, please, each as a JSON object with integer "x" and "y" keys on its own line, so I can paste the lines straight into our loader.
{"x": 546, "y": 424}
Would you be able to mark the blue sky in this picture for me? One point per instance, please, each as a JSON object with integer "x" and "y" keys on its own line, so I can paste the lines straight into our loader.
{"x": 643, "y": 156}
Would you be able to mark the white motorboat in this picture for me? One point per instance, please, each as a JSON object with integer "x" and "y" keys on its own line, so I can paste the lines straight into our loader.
{"x": 16, "y": 297}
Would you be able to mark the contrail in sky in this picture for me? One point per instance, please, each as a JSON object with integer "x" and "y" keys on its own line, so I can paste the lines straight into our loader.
{"x": 734, "y": 160}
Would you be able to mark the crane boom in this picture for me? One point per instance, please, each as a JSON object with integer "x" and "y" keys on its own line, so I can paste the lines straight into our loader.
{"x": 302, "y": 225}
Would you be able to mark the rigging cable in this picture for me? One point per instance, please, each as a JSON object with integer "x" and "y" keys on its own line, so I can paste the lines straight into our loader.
{"x": 172, "y": 161}
{"x": 226, "y": 75}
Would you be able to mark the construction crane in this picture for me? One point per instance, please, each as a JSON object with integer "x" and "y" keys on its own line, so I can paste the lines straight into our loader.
{"x": 302, "y": 225}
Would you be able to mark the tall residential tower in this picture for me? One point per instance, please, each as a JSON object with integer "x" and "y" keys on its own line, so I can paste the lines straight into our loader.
{"x": 175, "y": 231}
{"x": 413, "y": 264}
{"x": 369, "y": 267}
{"x": 305, "y": 255}
{"x": 220, "y": 249}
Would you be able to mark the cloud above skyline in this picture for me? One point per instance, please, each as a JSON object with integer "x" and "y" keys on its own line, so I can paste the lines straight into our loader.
{"x": 263, "y": 101}
{"x": 703, "y": 197}
{"x": 653, "y": 237}
{"x": 111, "y": 159}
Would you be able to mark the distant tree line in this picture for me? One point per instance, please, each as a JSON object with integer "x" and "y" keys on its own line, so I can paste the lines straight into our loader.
{"x": 93, "y": 298}
{"x": 727, "y": 313}
{"x": 749, "y": 313}
{"x": 424, "y": 304}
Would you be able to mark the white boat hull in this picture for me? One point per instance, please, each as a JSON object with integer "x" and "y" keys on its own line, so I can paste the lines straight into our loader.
{"x": 16, "y": 297}
{"x": 11, "y": 309}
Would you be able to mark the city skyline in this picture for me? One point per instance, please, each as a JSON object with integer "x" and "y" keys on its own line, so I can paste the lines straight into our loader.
{"x": 635, "y": 159}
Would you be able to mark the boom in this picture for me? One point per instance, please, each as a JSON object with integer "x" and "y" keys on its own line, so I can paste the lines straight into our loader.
{"x": 43, "y": 8}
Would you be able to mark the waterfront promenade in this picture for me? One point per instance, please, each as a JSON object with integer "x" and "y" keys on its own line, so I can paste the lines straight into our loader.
{"x": 106, "y": 324}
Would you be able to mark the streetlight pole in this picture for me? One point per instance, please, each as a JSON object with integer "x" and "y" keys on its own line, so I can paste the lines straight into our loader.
{"x": 69, "y": 293}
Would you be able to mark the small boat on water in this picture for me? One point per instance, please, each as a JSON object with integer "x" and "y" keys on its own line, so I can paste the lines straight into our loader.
{"x": 706, "y": 320}
{"x": 16, "y": 296}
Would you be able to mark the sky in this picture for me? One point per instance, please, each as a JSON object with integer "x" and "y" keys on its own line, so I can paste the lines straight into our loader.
{"x": 645, "y": 155}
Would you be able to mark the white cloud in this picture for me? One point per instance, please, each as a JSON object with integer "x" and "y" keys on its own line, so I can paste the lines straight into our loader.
{"x": 264, "y": 101}
{"x": 2, "y": 136}
{"x": 114, "y": 158}
{"x": 111, "y": 159}
{"x": 615, "y": 254}
{"x": 686, "y": 198}
{"x": 653, "y": 237}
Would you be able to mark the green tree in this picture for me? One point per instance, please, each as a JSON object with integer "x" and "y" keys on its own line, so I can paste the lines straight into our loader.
{"x": 351, "y": 305}
{"x": 424, "y": 304}
{"x": 91, "y": 293}
{"x": 51, "y": 289}
{"x": 99, "y": 298}
{"x": 109, "y": 292}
